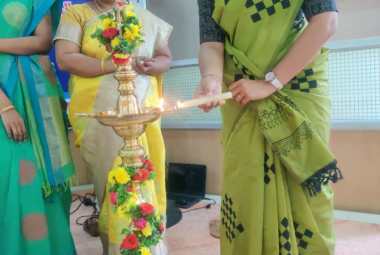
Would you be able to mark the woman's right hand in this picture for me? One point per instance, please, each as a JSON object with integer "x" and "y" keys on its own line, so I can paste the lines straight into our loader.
{"x": 13, "y": 123}
{"x": 209, "y": 86}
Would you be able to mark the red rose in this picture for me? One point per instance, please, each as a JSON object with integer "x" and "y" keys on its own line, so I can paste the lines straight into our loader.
{"x": 161, "y": 228}
{"x": 149, "y": 165}
{"x": 120, "y": 4}
{"x": 141, "y": 175}
{"x": 108, "y": 48}
{"x": 129, "y": 189}
{"x": 119, "y": 61}
{"x": 146, "y": 209}
{"x": 140, "y": 223}
{"x": 113, "y": 198}
{"x": 110, "y": 32}
{"x": 130, "y": 242}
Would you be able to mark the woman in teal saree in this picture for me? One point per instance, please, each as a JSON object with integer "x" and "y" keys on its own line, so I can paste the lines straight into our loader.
{"x": 276, "y": 194}
{"x": 35, "y": 160}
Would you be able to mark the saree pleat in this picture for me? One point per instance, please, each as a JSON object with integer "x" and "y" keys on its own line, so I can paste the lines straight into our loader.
{"x": 276, "y": 196}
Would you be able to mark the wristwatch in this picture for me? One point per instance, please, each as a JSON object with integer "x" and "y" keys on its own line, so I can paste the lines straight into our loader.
{"x": 271, "y": 78}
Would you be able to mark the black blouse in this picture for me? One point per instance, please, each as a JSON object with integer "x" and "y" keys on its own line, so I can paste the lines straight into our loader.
{"x": 211, "y": 32}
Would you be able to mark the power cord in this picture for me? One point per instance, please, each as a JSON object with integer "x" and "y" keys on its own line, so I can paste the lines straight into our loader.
{"x": 86, "y": 201}
{"x": 208, "y": 206}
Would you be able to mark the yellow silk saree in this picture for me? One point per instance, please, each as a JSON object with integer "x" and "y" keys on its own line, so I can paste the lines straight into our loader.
{"x": 99, "y": 145}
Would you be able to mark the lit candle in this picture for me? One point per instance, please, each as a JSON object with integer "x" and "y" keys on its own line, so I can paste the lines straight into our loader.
{"x": 205, "y": 100}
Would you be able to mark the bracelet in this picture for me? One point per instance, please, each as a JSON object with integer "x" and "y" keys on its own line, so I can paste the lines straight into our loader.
{"x": 102, "y": 65}
{"x": 6, "y": 109}
{"x": 213, "y": 76}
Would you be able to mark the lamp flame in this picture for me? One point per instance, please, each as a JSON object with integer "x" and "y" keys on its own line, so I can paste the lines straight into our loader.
{"x": 162, "y": 101}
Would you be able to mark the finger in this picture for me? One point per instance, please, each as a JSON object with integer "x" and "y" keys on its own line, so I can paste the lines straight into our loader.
{"x": 245, "y": 101}
{"x": 15, "y": 133}
{"x": 140, "y": 65}
{"x": 236, "y": 91}
{"x": 151, "y": 60}
{"x": 24, "y": 132}
{"x": 134, "y": 66}
{"x": 208, "y": 109}
{"x": 148, "y": 64}
{"x": 145, "y": 59}
{"x": 9, "y": 132}
{"x": 19, "y": 133}
{"x": 235, "y": 85}
{"x": 239, "y": 98}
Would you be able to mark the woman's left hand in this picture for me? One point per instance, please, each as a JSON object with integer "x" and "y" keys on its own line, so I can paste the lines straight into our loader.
{"x": 144, "y": 66}
{"x": 244, "y": 90}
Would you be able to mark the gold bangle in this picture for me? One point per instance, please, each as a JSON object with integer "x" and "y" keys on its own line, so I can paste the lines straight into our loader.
{"x": 6, "y": 109}
{"x": 102, "y": 65}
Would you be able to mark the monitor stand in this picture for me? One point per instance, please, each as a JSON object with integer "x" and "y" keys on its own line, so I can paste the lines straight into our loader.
{"x": 173, "y": 214}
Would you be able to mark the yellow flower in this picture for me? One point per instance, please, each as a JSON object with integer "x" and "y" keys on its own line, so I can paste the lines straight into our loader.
{"x": 113, "y": 24}
{"x": 133, "y": 199}
{"x": 111, "y": 177}
{"x": 122, "y": 176}
{"x": 145, "y": 251}
{"x": 130, "y": 13}
{"x": 121, "y": 56}
{"x": 115, "y": 42}
{"x": 131, "y": 35}
{"x": 128, "y": 6}
{"x": 106, "y": 23}
{"x": 122, "y": 212}
{"x": 147, "y": 231}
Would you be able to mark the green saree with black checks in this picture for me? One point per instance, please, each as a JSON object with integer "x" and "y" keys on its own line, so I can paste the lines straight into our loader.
{"x": 277, "y": 165}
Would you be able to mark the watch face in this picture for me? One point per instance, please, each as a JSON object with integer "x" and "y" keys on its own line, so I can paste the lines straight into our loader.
{"x": 269, "y": 77}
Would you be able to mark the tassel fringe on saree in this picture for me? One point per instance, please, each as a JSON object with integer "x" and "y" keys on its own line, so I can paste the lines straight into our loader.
{"x": 276, "y": 197}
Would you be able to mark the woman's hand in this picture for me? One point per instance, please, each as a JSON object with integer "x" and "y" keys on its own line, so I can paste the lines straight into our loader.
{"x": 209, "y": 86}
{"x": 13, "y": 123}
{"x": 143, "y": 65}
{"x": 244, "y": 91}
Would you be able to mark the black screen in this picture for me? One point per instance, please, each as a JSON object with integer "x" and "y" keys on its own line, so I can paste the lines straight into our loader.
{"x": 187, "y": 179}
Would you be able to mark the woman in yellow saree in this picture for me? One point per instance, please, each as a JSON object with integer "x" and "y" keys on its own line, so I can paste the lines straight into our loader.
{"x": 93, "y": 88}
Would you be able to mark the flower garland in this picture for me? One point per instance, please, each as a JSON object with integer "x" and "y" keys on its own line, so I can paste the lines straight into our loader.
{"x": 147, "y": 226}
{"x": 120, "y": 45}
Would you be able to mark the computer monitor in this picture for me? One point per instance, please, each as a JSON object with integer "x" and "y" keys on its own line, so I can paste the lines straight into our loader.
{"x": 187, "y": 179}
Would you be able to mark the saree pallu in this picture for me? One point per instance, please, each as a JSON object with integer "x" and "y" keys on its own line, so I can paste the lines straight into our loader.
{"x": 35, "y": 174}
{"x": 99, "y": 144}
{"x": 276, "y": 197}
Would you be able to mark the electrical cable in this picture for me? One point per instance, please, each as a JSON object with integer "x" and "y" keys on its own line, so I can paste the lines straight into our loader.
{"x": 87, "y": 201}
{"x": 208, "y": 206}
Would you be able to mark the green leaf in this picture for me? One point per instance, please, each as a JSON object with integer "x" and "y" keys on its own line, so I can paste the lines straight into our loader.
{"x": 129, "y": 27}
{"x": 151, "y": 176}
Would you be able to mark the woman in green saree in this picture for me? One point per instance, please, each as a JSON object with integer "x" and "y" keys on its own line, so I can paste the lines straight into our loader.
{"x": 277, "y": 165}
{"x": 35, "y": 159}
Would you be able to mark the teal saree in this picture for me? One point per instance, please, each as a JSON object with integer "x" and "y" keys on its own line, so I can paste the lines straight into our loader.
{"x": 35, "y": 175}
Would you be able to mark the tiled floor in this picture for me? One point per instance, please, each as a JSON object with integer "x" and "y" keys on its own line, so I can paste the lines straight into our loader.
{"x": 191, "y": 236}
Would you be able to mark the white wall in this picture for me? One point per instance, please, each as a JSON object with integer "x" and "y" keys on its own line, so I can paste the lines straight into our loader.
{"x": 357, "y": 19}
{"x": 183, "y": 16}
